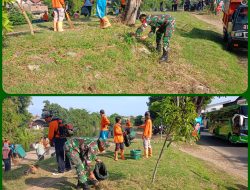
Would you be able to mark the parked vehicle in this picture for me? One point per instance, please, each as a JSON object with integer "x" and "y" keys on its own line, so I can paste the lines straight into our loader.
{"x": 235, "y": 24}
{"x": 230, "y": 123}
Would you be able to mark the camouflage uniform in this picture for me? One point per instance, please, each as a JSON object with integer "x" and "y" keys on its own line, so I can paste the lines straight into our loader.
{"x": 81, "y": 151}
{"x": 165, "y": 25}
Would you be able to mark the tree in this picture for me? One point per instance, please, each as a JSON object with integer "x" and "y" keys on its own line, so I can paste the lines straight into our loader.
{"x": 131, "y": 12}
{"x": 177, "y": 113}
{"x": 201, "y": 102}
{"x": 138, "y": 120}
{"x": 15, "y": 121}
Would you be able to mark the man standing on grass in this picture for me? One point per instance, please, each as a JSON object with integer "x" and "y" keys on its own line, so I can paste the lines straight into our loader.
{"x": 54, "y": 137}
{"x": 146, "y": 136}
{"x": 104, "y": 126}
{"x": 165, "y": 25}
{"x": 101, "y": 13}
{"x": 59, "y": 14}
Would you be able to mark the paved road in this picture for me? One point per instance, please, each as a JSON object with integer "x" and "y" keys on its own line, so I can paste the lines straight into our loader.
{"x": 237, "y": 154}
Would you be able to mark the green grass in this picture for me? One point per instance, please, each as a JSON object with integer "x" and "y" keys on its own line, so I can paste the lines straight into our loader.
{"x": 90, "y": 60}
{"x": 177, "y": 170}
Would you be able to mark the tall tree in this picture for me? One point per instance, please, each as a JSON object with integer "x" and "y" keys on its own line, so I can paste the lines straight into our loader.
{"x": 177, "y": 113}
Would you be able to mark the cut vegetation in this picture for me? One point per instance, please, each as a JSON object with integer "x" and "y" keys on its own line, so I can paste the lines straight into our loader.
{"x": 90, "y": 60}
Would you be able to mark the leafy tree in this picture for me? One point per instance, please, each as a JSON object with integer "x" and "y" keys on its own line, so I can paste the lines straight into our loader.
{"x": 15, "y": 120}
{"x": 138, "y": 120}
{"x": 178, "y": 114}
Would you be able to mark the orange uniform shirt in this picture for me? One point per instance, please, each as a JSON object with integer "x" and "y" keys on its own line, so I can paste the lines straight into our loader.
{"x": 57, "y": 3}
{"x": 147, "y": 128}
{"x": 128, "y": 124}
{"x": 118, "y": 136}
{"x": 104, "y": 123}
{"x": 123, "y": 2}
{"x": 53, "y": 126}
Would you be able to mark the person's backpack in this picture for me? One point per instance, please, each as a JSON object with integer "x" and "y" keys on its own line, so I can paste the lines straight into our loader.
{"x": 63, "y": 130}
{"x": 100, "y": 171}
{"x": 126, "y": 139}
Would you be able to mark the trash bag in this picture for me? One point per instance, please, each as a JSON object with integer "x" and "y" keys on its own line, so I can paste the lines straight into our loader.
{"x": 84, "y": 11}
{"x": 100, "y": 171}
{"x": 126, "y": 139}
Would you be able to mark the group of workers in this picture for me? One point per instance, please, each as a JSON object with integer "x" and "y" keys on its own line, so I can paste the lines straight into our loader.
{"x": 164, "y": 23}
{"x": 82, "y": 151}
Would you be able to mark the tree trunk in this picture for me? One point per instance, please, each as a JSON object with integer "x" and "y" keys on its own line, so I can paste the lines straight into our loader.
{"x": 26, "y": 18}
{"x": 131, "y": 12}
{"x": 157, "y": 163}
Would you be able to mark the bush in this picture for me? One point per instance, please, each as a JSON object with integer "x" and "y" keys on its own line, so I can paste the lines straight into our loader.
{"x": 16, "y": 17}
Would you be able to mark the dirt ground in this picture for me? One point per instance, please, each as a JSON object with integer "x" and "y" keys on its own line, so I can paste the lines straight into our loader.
{"x": 216, "y": 158}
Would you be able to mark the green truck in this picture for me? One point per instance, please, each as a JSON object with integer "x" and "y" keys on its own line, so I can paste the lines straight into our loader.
{"x": 230, "y": 123}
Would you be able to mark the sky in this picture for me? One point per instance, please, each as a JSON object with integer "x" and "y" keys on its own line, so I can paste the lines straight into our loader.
{"x": 123, "y": 105}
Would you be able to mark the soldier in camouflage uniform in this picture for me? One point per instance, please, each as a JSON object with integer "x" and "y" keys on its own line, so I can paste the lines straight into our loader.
{"x": 165, "y": 25}
{"x": 81, "y": 151}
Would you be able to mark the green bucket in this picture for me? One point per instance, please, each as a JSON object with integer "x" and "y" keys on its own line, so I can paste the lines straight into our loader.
{"x": 135, "y": 154}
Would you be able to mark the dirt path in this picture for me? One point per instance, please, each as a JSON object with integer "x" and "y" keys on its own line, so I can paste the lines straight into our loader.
{"x": 216, "y": 158}
{"x": 216, "y": 22}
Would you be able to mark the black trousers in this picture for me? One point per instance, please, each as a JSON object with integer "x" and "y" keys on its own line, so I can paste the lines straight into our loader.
{"x": 89, "y": 8}
{"x": 7, "y": 164}
{"x": 61, "y": 158}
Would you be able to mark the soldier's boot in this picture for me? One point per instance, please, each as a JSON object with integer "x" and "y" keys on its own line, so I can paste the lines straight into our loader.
{"x": 164, "y": 57}
{"x": 83, "y": 186}
{"x": 116, "y": 156}
{"x": 60, "y": 26}
{"x": 158, "y": 47}
{"x": 106, "y": 22}
{"x": 150, "y": 152}
{"x": 55, "y": 26}
{"x": 122, "y": 155}
{"x": 145, "y": 153}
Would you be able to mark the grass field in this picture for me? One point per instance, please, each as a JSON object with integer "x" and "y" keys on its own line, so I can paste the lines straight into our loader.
{"x": 90, "y": 60}
{"x": 177, "y": 170}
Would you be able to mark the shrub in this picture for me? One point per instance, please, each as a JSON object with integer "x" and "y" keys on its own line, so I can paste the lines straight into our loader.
{"x": 16, "y": 17}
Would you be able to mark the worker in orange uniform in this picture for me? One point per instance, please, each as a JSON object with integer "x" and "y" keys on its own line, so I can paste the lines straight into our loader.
{"x": 59, "y": 14}
{"x": 123, "y": 5}
{"x": 104, "y": 126}
{"x": 59, "y": 142}
{"x": 128, "y": 126}
{"x": 147, "y": 134}
{"x": 118, "y": 138}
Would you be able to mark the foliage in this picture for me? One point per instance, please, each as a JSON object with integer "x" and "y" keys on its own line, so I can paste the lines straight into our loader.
{"x": 16, "y": 17}
{"x": 6, "y": 23}
{"x": 15, "y": 119}
{"x": 200, "y": 102}
{"x": 138, "y": 120}
{"x": 178, "y": 114}
{"x": 154, "y": 5}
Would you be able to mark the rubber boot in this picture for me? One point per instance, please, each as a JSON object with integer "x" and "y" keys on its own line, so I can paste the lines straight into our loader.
{"x": 122, "y": 155}
{"x": 116, "y": 156}
{"x": 145, "y": 153}
{"x": 150, "y": 152}
{"x": 106, "y": 22}
{"x": 55, "y": 26}
{"x": 158, "y": 48}
{"x": 60, "y": 26}
{"x": 164, "y": 57}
